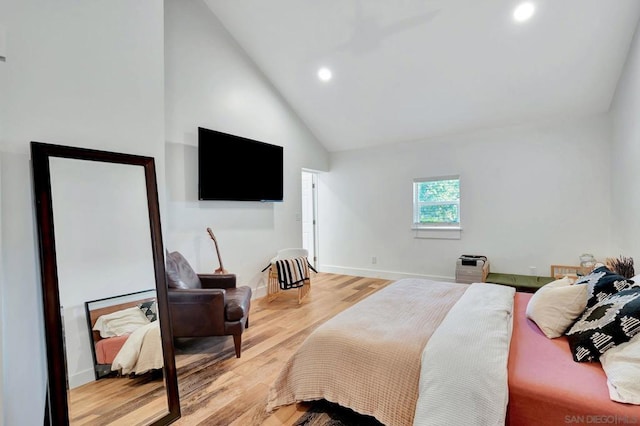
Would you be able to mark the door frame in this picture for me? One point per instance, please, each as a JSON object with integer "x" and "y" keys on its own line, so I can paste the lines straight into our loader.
{"x": 314, "y": 212}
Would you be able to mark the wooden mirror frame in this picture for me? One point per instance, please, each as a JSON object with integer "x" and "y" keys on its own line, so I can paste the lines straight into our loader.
{"x": 58, "y": 406}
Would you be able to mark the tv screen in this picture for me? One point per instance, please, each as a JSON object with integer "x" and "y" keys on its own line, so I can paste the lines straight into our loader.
{"x": 236, "y": 168}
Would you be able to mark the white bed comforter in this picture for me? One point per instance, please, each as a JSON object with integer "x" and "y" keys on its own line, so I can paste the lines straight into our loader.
{"x": 470, "y": 349}
{"x": 141, "y": 352}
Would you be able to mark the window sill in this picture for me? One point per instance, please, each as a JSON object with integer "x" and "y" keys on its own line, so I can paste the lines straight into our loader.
{"x": 438, "y": 228}
{"x": 438, "y": 232}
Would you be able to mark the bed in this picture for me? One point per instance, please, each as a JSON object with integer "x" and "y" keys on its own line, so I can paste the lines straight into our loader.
{"x": 125, "y": 334}
{"x": 466, "y": 354}
{"x": 546, "y": 387}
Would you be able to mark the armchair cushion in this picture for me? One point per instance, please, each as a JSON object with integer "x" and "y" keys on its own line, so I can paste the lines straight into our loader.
{"x": 179, "y": 272}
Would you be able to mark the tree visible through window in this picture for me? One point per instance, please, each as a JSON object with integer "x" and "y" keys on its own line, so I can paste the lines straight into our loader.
{"x": 436, "y": 201}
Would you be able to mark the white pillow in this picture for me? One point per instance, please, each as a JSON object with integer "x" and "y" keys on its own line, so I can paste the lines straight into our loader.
{"x": 555, "y": 306}
{"x": 121, "y": 322}
{"x": 621, "y": 364}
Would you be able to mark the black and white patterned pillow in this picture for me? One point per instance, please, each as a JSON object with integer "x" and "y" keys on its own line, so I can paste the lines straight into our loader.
{"x": 603, "y": 283}
{"x": 608, "y": 323}
{"x": 150, "y": 310}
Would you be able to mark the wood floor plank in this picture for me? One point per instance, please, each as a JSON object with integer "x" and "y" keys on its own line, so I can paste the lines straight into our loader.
{"x": 215, "y": 387}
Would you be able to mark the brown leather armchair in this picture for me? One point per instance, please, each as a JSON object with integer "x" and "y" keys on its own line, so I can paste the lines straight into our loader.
{"x": 206, "y": 304}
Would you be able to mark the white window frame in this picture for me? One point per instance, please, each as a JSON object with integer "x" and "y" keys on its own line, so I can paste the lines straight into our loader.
{"x": 417, "y": 204}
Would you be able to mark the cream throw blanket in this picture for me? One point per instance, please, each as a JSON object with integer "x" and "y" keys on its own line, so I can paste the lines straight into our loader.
{"x": 141, "y": 352}
{"x": 367, "y": 357}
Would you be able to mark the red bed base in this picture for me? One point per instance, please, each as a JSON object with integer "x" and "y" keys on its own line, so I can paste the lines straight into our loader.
{"x": 107, "y": 349}
{"x": 546, "y": 387}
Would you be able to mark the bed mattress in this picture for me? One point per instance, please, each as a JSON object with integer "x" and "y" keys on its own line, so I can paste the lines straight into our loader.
{"x": 546, "y": 387}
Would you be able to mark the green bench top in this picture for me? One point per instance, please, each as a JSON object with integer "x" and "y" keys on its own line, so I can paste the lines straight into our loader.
{"x": 521, "y": 282}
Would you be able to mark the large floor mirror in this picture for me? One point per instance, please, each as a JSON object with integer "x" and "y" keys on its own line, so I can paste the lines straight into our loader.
{"x": 109, "y": 344}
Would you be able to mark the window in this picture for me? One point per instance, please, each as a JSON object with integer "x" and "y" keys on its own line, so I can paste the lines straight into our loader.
{"x": 436, "y": 202}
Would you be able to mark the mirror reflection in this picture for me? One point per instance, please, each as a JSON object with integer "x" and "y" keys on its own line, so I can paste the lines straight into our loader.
{"x": 103, "y": 254}
{"x": 126, "y": 345}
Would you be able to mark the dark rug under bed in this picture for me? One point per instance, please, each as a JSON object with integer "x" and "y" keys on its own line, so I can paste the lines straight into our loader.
{"x": 324, "y": 413}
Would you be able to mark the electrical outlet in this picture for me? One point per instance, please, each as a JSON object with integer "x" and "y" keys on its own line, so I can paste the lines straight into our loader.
{"x": 374, "y": 260}
{"x": 533, "y": 270}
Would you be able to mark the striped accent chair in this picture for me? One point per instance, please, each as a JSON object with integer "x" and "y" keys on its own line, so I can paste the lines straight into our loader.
{"x": 289, "y": 269}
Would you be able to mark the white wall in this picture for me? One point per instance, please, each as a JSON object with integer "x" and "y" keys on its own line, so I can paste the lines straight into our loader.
{"x": 77, "y": 73}
{"x": 625, "y": 158}
{"x": 531, "y": 196}
{"x": 210, "y": 82}
{"x": 3, "y": 109}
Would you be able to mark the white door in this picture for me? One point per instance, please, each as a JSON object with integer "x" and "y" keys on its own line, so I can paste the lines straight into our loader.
{"x": 309, "y": 221}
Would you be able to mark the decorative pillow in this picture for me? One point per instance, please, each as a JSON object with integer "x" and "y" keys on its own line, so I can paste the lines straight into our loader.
{"x": 622, "y": 367}
{"x": 608, "y": 323}
{"x": 602, "y": 283}
{"x": 150, "y": 310}
{"x": 555, "y": 306}
{"x": 121, "y": 322}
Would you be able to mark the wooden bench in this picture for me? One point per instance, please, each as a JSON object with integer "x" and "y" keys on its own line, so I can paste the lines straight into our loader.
{"x": 525, "y": 283}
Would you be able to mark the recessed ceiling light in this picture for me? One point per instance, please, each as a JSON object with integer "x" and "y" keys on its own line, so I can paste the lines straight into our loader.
{"x": 325, "y": 74}
{"x": 524, "y": 11}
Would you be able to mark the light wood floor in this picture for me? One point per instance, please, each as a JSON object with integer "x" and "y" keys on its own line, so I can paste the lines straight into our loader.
{"x": 216, "y": 388}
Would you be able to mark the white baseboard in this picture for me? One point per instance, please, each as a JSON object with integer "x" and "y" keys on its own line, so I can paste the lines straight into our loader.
{"x": 259, "y": 292}
{"x": 376, "y": 273}
{"x": 81, "y": 378}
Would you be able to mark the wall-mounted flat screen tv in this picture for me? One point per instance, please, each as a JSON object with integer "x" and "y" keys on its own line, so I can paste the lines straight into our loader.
{"x": 236, "y": 168}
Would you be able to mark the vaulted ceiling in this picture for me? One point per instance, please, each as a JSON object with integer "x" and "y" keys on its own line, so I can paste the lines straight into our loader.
{"x": 406, "y": 70}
